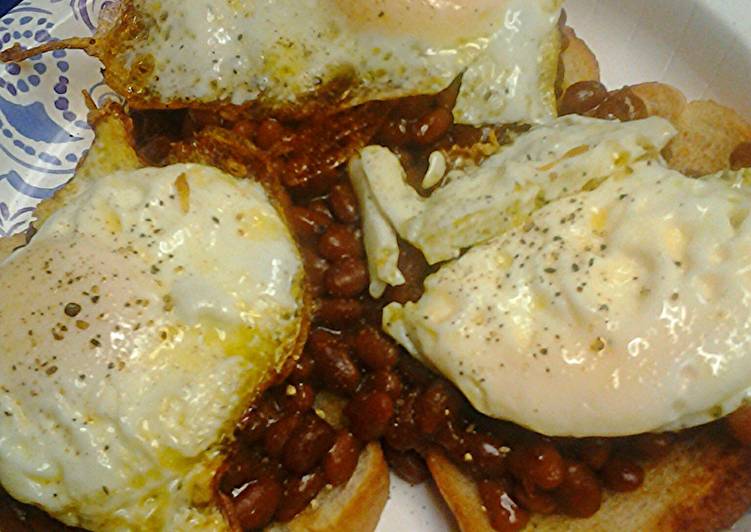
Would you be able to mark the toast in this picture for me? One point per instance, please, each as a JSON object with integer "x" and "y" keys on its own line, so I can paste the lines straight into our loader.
{"x": 704, "y": 484}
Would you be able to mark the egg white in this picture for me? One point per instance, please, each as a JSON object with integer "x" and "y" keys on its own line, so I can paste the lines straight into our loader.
{"x": 476, "y": 202}
{"x": 285, "y": 53}
{"x": 596, "y": 292}
{"x": 135, "y": 327}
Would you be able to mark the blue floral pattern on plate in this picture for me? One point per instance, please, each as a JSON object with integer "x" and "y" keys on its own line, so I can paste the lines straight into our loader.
{"x": 43, "y": 128}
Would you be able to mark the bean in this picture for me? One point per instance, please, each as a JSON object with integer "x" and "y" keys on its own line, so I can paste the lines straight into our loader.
{"x": 315, "y": 268}
{"x": 402, "y": 433}
{"x": 653, "y": 446}
{"x": 244, "y": 128}
{"x": 256, "y": 504}
{"x": 621, "y": 474}
{"x": 487, "y": 452}
{"x": 594, "y": 452}
{"x": 278, "y": 434}
{"x": 369, "y": 414}
{"x": 269, "y": 132}
{"x": 503, "y": 512}
{"x": 385, "y": 381}
{"x": 156, "y": 149}
{"x": 440, "y": 402}
{"x": 580, "y": 494}
{"x": 447, "y": 97}
{"x": 409, "y": 465}
{"x": 333, "y": 363}
{"x": 254, "y": 422}
{"x": 320, "y": 206}
{"x": 338, "y": 312}
{"x": 739, "y": 423}
{"x": 395, "y": 132}
{"x": 374, "y": 349}
{"x": 621, "y": 105}
{"x": 240, "y": 469}
{"x": 581, "y": 97}
{"x": 741, "y": 156}
{"x": 299, "y": 397}
{"x": 451, "y": 438}
{"x": 307, "y": 445}
{"x": 414, "y": 372}
{"x": 414, "y": 106}
{"x": 540, "y": 463}
{"x": 534, "y": 500}
{"x": 307, "y": 224}
{"x": 341, "y": 460}
{"x": 303, "y": 369}
{"x": 432, "y": 126}
{"x": 347, "y": 277}
{"x": 413, "y": 266}
{"x": 343, "y": 203}
{"x": 339, "y": 241}
{"x": 298, "y": 492}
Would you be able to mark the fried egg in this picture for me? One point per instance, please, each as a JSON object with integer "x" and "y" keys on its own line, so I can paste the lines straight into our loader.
{"x": 290, "y": 53}
{"x": 621, "y": 308}
{"x": 135, "y": 327}
{"x": 476, "y": 202}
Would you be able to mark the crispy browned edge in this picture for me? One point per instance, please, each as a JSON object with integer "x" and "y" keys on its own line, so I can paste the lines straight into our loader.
{"x": 704, "y": 484}
{"x": 120, "y": 23}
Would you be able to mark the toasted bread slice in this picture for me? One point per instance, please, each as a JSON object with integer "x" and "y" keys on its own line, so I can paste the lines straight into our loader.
{"x": 703, "y": 484}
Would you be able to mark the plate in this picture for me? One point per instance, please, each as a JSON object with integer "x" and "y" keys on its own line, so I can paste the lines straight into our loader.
{"x": 43, "y": 132}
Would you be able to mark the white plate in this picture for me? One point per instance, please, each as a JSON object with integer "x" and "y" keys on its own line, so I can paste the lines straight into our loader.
{"x": 701, "y": 46}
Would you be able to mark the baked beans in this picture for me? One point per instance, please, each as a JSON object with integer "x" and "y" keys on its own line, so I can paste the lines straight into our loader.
{"x": 308, "y": 444}
{"x": 580, "y": 493}
{"x": 256, "y": 504}
{"x": 343, "y": 203}
{"x": 594, "y": 452}
{"x": 409, "y": 465}
{"x": 504, "y": 513}
{"x": 374, "y": 349}
{"x": 369, "y": 413}
{"x": 539, "y": 463}
{"x": 653, "y": 446}
{"x": 285, "y": 453}
{"x": 279, "y": 433}
{"x": 347, "y": 277}
{"x": 622, "y": 474}
{"x": 341, "y": 460}
{"x": 297, "y": 494}
{"x": 334, "y": 365}
{"x": 339, "y": 313}
{"x": 338, "y": 242}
